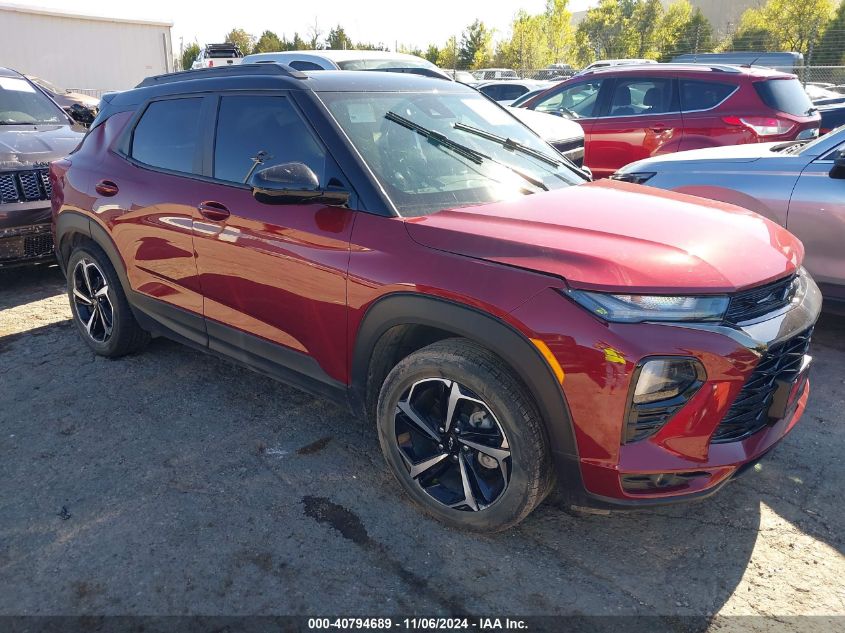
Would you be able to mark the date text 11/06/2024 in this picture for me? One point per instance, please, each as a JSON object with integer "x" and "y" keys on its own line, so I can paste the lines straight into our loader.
{"x": 491, "y": 624}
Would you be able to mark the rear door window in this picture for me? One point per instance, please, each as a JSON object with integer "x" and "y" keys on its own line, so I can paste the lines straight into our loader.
{"x": 169, "y": 135}
{"x": 784, "y": 95}
{"x": 256, "y": 132}
{"x": 703, "y": 95}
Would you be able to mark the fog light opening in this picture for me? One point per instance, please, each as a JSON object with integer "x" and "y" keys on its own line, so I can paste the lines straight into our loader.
{"x": 661, "y": 482}
{"x": 660, "y": 387}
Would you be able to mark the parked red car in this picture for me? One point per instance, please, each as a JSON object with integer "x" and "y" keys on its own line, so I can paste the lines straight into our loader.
{"x": 633, "y": 112}
{"x": 410, "y": 249}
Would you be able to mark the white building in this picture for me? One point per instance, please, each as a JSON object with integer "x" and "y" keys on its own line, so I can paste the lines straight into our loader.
{"x": 83, "y": 52}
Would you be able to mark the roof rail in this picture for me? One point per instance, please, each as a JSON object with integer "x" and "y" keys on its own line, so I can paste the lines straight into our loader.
{"x": 234, "y": 70}
{"x": 724, "y": 68}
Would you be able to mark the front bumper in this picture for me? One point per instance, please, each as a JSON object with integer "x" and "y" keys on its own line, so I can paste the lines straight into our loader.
{"x": 25, "y": 245}
{"x": 598, "y": 360}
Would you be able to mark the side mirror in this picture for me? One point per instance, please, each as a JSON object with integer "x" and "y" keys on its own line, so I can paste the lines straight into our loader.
{"x": 838, "y": 169}
{"x": 293, "y": 183}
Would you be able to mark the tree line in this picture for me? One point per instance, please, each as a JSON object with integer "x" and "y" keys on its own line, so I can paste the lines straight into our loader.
{"x": 612, "y": 29}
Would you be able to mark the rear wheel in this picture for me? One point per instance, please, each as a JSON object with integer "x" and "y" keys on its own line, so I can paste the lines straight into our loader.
{"x": 463, "y": 437}
{"x": 101, "y": 312}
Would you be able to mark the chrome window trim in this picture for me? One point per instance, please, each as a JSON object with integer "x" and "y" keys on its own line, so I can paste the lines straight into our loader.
{"x": 629, "y": 116}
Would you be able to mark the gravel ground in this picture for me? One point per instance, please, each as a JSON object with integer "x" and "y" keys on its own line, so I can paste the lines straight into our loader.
{"x": 171, "y": 482}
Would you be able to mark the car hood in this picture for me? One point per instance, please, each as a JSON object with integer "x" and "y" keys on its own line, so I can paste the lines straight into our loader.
{"x": 23, "y": 145}
{"x": 83, "y": 99}
{"x": 549, "y": 127}
{"x": 729, "y": 154}
{"x": 612, "y": 235}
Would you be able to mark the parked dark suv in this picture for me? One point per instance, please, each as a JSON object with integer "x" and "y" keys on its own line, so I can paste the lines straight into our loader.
{"x": 408, "y": 248}
{"x": 33, "y": 131}
{"x": 632, "y": 112}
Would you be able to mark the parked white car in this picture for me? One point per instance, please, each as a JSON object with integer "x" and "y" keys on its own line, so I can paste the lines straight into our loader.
{"x": 214, "y": 55}
{"x": 506, "y": 91}
{"x": 488, "y": 74}
{"x": 343, "y": 60}
{"x": 603, "y": 63}
{"x": 566, "y": 136}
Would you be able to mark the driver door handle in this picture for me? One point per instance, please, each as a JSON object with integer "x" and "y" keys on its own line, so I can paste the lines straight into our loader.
{"x": 106, "y": 188}
{"x": 213, "y": 211}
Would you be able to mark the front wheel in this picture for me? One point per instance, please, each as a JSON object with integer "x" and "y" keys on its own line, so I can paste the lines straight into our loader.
{"x": 463, "y": 437}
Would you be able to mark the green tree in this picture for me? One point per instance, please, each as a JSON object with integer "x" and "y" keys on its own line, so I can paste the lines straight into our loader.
{"x": 783, "y": 25}
{"x": 602, "y": 33}
{"x": 269, "y": 42}
{"x": 242, "y": 39}
{"x": 557, "y": 25}
{"x": 338, "y": 40}
{"x": 830, "y": 51}
{"x": 683, "y": 29}
{"x": 642, "y": 28}
{"x": 476, "y": 46}
{"x": 448, "y": 57}
{"x": 189, "y": 55}
{"x": 528, "y": 46}
{"x": 297, "y": 43}
{"x": 432, "y": 53}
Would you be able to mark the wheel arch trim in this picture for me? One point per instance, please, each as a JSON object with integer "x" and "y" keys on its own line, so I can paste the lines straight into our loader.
{"x": 500, "y": 337}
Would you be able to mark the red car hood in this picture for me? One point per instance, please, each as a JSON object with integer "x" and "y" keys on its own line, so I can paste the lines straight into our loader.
{"x": 611, "y": 235}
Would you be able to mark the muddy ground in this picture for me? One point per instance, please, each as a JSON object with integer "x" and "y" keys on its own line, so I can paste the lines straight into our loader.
{"x": 171, "y": 482}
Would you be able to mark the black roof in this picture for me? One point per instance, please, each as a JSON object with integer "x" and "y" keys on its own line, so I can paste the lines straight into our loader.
{"x": 272, "y": 75}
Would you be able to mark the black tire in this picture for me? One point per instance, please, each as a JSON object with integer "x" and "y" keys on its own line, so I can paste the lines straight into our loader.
{"x": 526, "y": 472}
{"x": 125, "y": 336}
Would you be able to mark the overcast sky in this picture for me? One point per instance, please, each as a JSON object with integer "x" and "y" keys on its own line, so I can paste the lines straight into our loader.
{"x": 411, "y": 23}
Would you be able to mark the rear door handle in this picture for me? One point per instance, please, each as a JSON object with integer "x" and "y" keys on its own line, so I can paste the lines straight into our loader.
{"x": 213, "y": 211}
{"x": 659, "y": 128}
{"x": 106, "y": 188}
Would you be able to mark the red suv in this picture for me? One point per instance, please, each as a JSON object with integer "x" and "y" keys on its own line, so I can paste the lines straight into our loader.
{"x": 633, "y": 112}
{"x": 408, "y": 248}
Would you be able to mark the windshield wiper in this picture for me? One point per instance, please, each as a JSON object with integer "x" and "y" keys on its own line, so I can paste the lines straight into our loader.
{"x": 462, "y": 150}
{"x": 508, "y": 143}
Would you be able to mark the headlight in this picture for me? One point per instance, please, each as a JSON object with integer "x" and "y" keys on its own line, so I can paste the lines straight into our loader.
{"x": 637, "y": 308}
{"x": 636, "y": 177}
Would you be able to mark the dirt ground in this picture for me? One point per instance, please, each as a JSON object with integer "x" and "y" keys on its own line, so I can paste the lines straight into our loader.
{"x": 171, "y": 482}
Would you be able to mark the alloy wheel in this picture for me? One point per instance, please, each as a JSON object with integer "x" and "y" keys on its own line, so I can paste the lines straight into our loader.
{"x": 453, "y": 446}
{"x": 91, "y": 300}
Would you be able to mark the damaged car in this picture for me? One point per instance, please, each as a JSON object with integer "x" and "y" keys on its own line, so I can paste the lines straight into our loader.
{"x": 33, "y": 132}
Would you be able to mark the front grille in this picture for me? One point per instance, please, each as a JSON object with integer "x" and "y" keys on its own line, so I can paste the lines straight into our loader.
{"x": 37, "y": 245}
{"x": 25, "y": 186}
{"x": 750, "y": 411}
{"x": 756, "y": 302}
{"x": 573, "y": 150}
{"x": 25, "y": 242}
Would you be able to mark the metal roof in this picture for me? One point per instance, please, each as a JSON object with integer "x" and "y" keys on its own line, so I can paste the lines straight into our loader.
{"x": 17, "y": 8}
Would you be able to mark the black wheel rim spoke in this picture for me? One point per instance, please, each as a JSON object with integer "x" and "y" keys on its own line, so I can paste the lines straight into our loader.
{"x": 452, "y": 445}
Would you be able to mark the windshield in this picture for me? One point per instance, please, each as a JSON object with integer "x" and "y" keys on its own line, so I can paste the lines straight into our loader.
{"x": 21, "y": 103}
{"x": 435, "y": 151}
{"x": 374, "y": 64}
